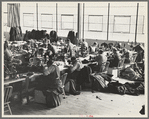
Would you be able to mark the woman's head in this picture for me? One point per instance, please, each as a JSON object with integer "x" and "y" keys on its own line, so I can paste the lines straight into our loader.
{"x": 50, "y": 62}
{"x": 73, "y": 59}
{"x": 114, "y": 50}
{"x": 49, "y": 46}
{"x": 5, "y": 45}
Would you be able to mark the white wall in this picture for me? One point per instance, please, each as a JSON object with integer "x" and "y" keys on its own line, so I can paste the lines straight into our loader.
{"x": 95, "y": 9}
{"x": 48, "y": 8}
{"x": 70, "y": 9}
{"x": 116, "y": 8}
{"x": 91, "y": 8}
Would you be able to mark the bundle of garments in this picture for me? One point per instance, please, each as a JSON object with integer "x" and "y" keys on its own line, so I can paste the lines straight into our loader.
{"x": 132, "y": 74}
{"x": 15, "y": 34}
{"x": 136, "y": 88}
{"x": 35, "y": 34}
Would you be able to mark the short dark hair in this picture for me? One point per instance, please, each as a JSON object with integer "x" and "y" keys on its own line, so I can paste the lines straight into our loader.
{"x": 100, "y": 51}
{"x": 49, "y": 63}
{"x": 73, "y": 58}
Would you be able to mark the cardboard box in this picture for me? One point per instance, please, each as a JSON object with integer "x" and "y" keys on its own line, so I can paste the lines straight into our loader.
{"x": 113, "y": 71}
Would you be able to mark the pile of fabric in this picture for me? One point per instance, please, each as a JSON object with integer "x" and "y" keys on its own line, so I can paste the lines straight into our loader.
{"x": 127, "y": 88}
{"x": 35, "y": 34}
{"x": 15, "y": 34}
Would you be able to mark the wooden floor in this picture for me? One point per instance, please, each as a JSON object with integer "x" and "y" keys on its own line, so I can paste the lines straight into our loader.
{"x": 86, "y": 104}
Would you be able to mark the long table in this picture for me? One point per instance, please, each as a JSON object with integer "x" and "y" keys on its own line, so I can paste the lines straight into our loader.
{"x": 27, "y": 81}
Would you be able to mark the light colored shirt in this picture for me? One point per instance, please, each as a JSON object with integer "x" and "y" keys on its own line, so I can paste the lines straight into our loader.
{"x": 77, "y": 66}
{"x": 72, "y": 49}
{"x": 101, "y": 58}
{"x": 52, "y": 74}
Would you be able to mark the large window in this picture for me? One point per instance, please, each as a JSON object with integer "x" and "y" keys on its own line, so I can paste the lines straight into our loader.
{"x": 28, "y": 20}
{"x": 95, "y": 23}
{"x": 122, "y": 24}
{"x": 67, "y": 22}
{"x": 47, "y": 21}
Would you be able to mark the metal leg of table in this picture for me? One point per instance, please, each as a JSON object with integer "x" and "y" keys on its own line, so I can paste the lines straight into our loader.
{"x": 27, "y": 85}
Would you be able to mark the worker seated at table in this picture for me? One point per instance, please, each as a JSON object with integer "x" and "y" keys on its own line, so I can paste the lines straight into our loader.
{"x": 84, "y": 48}
{"x": 104, "y": 46}
{"x": 9, "y": 58}
{"x": 50, "y": 52}
{"x": 126, "y": 54}
{"x": 50, "y": 78}
{"x": 10, "y": 62}
{"x": 74, "y": 68}
{"x": 101, "y": 59}
{"x": 73, "y": 75}
{"x": 139, "y": 49}
{"x": 27, "y": 46}
{"x": 116, "y": 57}
{"x": 117, "y": 45}
{"x": 93, "y": 48}
{"x": 110, "y": 46}
{"x": 71, "y": 48}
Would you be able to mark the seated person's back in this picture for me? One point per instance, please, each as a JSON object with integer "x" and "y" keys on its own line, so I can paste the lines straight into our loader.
{"x": 101, "y": 59}
{"x": 74, "y": 69}
{"x": 115, "y": 58}
{"x": 52, "y": 74}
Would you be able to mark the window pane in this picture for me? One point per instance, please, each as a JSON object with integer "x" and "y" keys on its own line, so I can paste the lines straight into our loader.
{"x": 122, "y": 24}
{"x": 47, "y": 21}
{"x": 28, "y": 19}
{"x": 95, "y": 23}
{"x": 67, "y": 22}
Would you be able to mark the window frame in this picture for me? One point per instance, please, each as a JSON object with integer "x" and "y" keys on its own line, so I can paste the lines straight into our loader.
{"x": 122, "y": 24}
{"x": 48, "y": 21}
{"x": 95, "y": 23}
{"x": 67, "y": 22}
{"x": 33, "y": 20}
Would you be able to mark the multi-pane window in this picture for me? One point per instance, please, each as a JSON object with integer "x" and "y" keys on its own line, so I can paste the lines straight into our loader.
{"x": 28, "y": 19}
{"x": 95, "y": 23}
{"x": 47, "y": 21}
{"x": 122, "y": 24}
{"x": 67, "y": 22}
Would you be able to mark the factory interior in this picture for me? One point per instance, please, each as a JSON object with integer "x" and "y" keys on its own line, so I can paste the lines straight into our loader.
{"x": 74, "y": 59}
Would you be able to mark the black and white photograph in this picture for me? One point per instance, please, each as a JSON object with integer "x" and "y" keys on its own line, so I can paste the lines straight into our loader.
{"x": 74, "y": 59}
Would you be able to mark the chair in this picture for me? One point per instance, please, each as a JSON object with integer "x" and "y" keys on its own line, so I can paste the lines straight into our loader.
{"x": 120, "y": 66}
{"x": 63, "y": 79}
{"x": 104, "y": 67}
{"x": 7, "y": 95}
{"x": 132, "y": 61}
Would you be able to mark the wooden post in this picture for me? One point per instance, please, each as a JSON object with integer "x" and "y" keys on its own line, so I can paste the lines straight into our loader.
{"x": 83, "y": 20}
{"x": 56, "y": 18}
{"x": 136, "y": 23}
{"x": 108, "y": 21}
{"x": 37, "y": 14}
{"x": 79, "y": 22}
